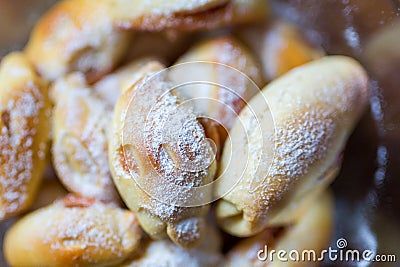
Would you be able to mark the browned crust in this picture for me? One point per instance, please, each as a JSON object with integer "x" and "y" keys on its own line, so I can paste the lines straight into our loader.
{"x": 73, "y": 232}
{"x": 24, "y": 124}
{"x": 229, "y": 14}
{"x": 315, "y": 107}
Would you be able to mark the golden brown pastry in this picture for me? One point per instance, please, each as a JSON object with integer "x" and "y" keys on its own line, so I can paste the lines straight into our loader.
{"x": 73, "y": 232}
{"x": 76, "y": 35}
{"x": 109, "y": 88}
{"x": 292, "y": 148}
{"x": 159, "y": 157}
{"x": 80, "y": 129}
{"x": 92, "y": 37}
{"x": 280, "y": 47}
{"x": 82, "y": 115}
{"x": 224, "y": 13}
{"x": 164, "y": 253}
{"x": 83, "y": 35}
{"x": 156, "y": 11}
{"x": 24, "y": 127}
{"x": 312, "y": 231}
{"x": 222, "y": 104}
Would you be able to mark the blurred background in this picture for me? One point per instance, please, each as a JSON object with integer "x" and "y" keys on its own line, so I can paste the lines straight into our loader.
{"x": 368, "y": 188}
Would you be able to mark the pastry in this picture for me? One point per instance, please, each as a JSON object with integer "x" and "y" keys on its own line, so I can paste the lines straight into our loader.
{"x": 280, "y": 47}
{"x": 290, "y": 148}
{"x": 80, "y": 129}
{"x": 92, "y": 37}
{"x": 157, "y": 104}
{"x": 73, "y": 232}
{"x": 24, "y": 127}
{"x": 230, "y": 13}
{"x": 82, "y": 115}
{"x": 311, "y": 232}
{"x": 76, "y": 35}
{"x": 160, "y": 158}
{"x": 222, "y": 103}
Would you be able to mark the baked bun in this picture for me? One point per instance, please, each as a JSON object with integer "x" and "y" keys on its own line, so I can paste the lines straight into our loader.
{"x": 24, "y": 127}
{"x": 224, "y": 13}
{"x": 292, "y": 148}
{"x": 280, "y": 47}
{"x": 311, "y": 232}
{"x": 76, "y": 35}
{"x": 226, "y": 100}
{"x": 80, "y": 129}
{"x": 91, "y": 36}
{"x": 73, "y": 232}
{"x": 165, "y": 253}
{"x": 160, "y": 157}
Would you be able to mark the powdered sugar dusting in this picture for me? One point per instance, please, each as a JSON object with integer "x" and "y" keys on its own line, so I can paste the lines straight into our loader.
{"x": 174, "y": 143}
{"x": 301, "y": 139}
{"x": 96, "y": 230}
{"x": 170, "y": 150}
{"x": 314, "y": 109}
{"x": 165, "y": 211}
{"x": 17, "y": 137}
{"x": 241, "y": 87}
{"x": 300, "y": 142}
{"x": 80, "y": 147}
{"x": 188, "y": 230}
{"x": 226, "y": 100}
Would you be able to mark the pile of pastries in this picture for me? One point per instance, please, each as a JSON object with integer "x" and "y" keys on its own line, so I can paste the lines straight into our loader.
{"x": 88, "y": 98}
